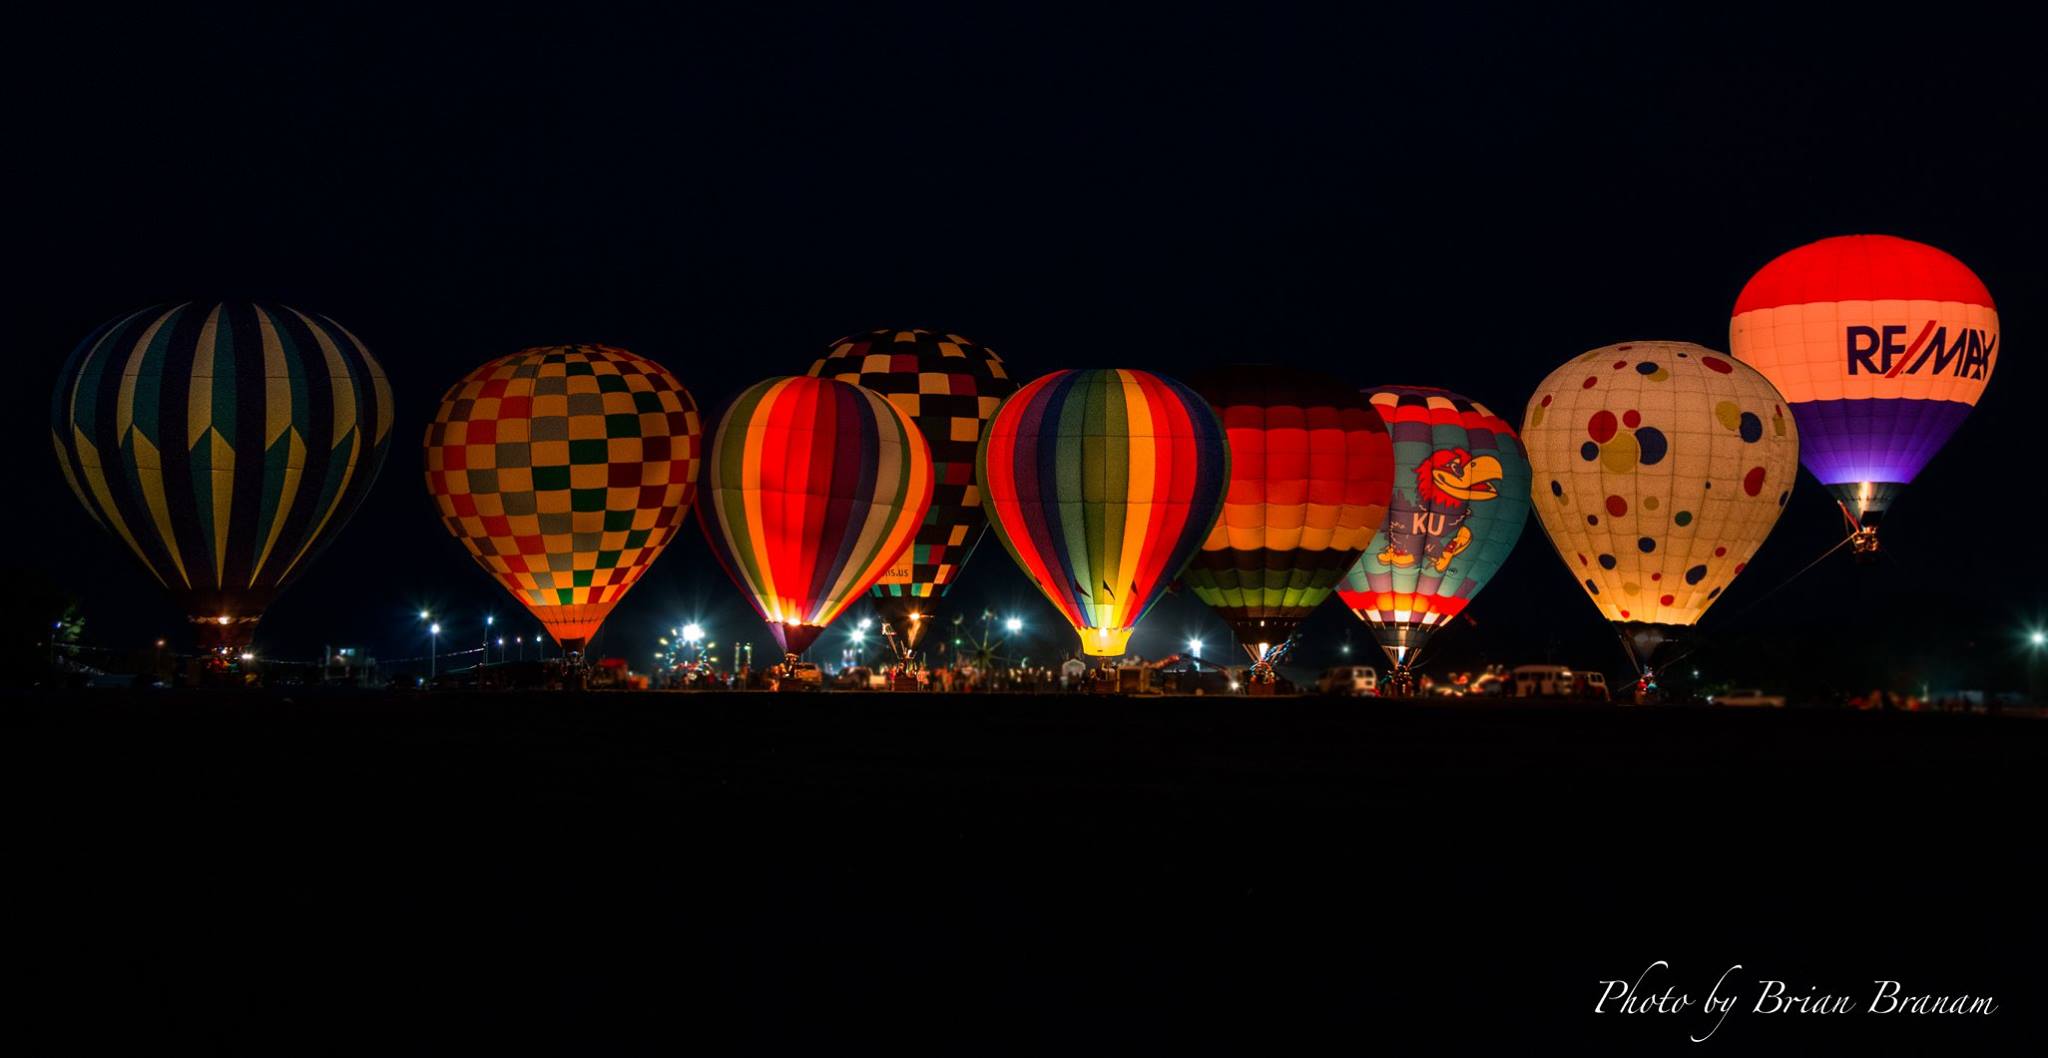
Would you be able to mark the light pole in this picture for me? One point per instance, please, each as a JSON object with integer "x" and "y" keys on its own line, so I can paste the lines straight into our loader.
{"x": 489, "y": 620}
{"x": 433, "y": 650}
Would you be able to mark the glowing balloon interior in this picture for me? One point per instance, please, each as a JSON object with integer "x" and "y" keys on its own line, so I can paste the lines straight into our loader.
{"x": 815, "y": 488}
{"x": 950, "y": 387}
{"x": 1102, "y": 485}
{"x": 1311, "y": 468}
{"x": 1880, "y": 346}
{"x": 225, "y": 445}
{"x": 565, "y": 470}
{"x": 1660, "y": 469}
{"x": 1460, "y": 498}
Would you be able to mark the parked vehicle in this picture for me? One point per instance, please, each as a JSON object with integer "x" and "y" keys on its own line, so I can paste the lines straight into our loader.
{"x": 802, "y": 676}
{"x": 1350, "y": 681}
{"x": 1558, "y": 681}
{"x": 1748, "y": 696}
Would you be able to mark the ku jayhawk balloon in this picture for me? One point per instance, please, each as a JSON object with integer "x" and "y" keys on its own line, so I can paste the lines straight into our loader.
{"x": 1881, "y": 346}
{"x": 1460, "y": 498}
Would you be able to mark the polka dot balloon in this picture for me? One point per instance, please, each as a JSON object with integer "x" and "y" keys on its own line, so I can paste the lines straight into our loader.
{"x": 1667, "y": 461}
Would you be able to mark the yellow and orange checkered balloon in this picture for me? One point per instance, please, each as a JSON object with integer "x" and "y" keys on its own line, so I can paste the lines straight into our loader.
{"x": 565, "y": 470}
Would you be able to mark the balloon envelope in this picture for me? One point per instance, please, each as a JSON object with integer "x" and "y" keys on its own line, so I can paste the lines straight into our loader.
{"x": 1311, "y": 468}
{"x": 1460, "y": 498}
{"x": 225, "y": 444}
{"x": 815, "y": 488}
{"x": 1880, "y": 346}
{"x": 1102, "y": 484}
{"x": 950, "y": 387}
{"x": 565, "y": 470}
{"x": 1660, "y": 468}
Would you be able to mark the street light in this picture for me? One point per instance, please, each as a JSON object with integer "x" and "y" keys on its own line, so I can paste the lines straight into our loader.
{"x": 693, "y": 634}
{"x": 1013, "y": 625}
{"x": 433, "y": 649}
{"x": 2037, "y": 638}
{"x": 1194, "y": 648}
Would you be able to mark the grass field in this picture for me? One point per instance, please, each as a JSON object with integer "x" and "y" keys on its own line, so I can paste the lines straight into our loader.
{"x": 834, "y": 874}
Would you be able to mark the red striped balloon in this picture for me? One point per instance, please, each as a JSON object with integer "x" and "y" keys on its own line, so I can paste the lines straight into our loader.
{"x": 812, "y": 488}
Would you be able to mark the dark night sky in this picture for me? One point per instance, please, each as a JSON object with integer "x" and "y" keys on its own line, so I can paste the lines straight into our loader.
{"x": 1434, "y": 198}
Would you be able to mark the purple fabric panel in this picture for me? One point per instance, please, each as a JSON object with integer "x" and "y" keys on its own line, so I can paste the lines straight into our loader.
{"x": 1877, "y": 439}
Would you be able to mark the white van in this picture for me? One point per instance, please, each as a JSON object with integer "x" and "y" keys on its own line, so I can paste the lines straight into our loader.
{"x": 1350, "y": 680}
{"x": 1558, "y": 681}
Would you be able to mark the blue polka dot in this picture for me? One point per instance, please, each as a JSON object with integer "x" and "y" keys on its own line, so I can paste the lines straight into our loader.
{"x": 1646, "y": 545}
{"x": 1589, "y": 451}
{"x": 1682, "y": 517}
{"x": 1783, "y": 496}
{"x": 1713, "y": 593}
{"x": 1695, "y": 574}
{"x": 1751, "y": 428}
{"x": 1556, "y": 489}
{"x": 1592, "y": 519}
{"x": 1652, "y": 442}
{"x": 1592, "y": 587}
{"x": 1606, "y": 561}
{"x": 1646, "y": 368}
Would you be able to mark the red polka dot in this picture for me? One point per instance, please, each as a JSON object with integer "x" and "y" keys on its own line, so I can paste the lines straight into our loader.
{"x": 1546, "y": 400}
{"x": 1624, "y": 348}
{"x": 1582, "y": 560}
{"x": 1591, "y": 382}
{"x": 1631, "y": 419}
{"x": 1619, "y": 364}
{"x": 1617, "y": 506}
{"x": 1624, "y": 613}
{"x": 1601, "y": 428}
{"x": 1740, "y": 566}
{"x": 1753, "y": 482}
{"x": 1715, "y": 363}
{"x": 1656, "y": 576}
{"x": 1664, "y": 600}
{"x": 1719, "y": 551}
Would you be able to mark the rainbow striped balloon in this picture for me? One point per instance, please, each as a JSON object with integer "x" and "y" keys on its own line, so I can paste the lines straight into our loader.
{"x": 812, "y": 489}
{"x": 1102, "y": 485}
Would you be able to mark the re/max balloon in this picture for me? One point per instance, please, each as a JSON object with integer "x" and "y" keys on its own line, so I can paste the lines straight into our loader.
{"x": 224, "y": 444}
{"x": 1460, "y": 498}
{"x": 565, "y": 470}
{"x": 950, "y": 387}
{"x": 815, "y": 488}
{"x": 1881, "y": 346}
{"x": 1102, "y": 484}
{"x": 1660, "y": 469}
{"x": 1311, "y": 468}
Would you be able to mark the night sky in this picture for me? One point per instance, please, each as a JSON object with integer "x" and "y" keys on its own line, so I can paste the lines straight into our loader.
{"x": 1436, "y": 198}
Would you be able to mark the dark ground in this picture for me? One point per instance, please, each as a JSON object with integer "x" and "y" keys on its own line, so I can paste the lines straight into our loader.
{"x": 628, "y": 874}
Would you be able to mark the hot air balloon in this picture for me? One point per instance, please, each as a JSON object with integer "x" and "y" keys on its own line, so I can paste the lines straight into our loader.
{"x": 815, "y": 488}
{"x": 1461, "y": 495}
{"x": 950, "y": 387}
{"x": 1102, "y": 485}
{"x": 565, "y": 470}
{"x": 1660, "y": 468}
{"x": 1880, "y": 346}
{"x": 225, "y": 444}
{"x": 1311, "y": 468}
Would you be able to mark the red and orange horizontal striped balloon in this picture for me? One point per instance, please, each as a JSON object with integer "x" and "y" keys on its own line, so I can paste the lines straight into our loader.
{"x": 813, "y": 488}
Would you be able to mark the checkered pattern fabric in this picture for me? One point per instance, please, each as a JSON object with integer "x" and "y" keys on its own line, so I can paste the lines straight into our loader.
{"x": 565, "y": 470}
{"x": 950, "y": 387}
